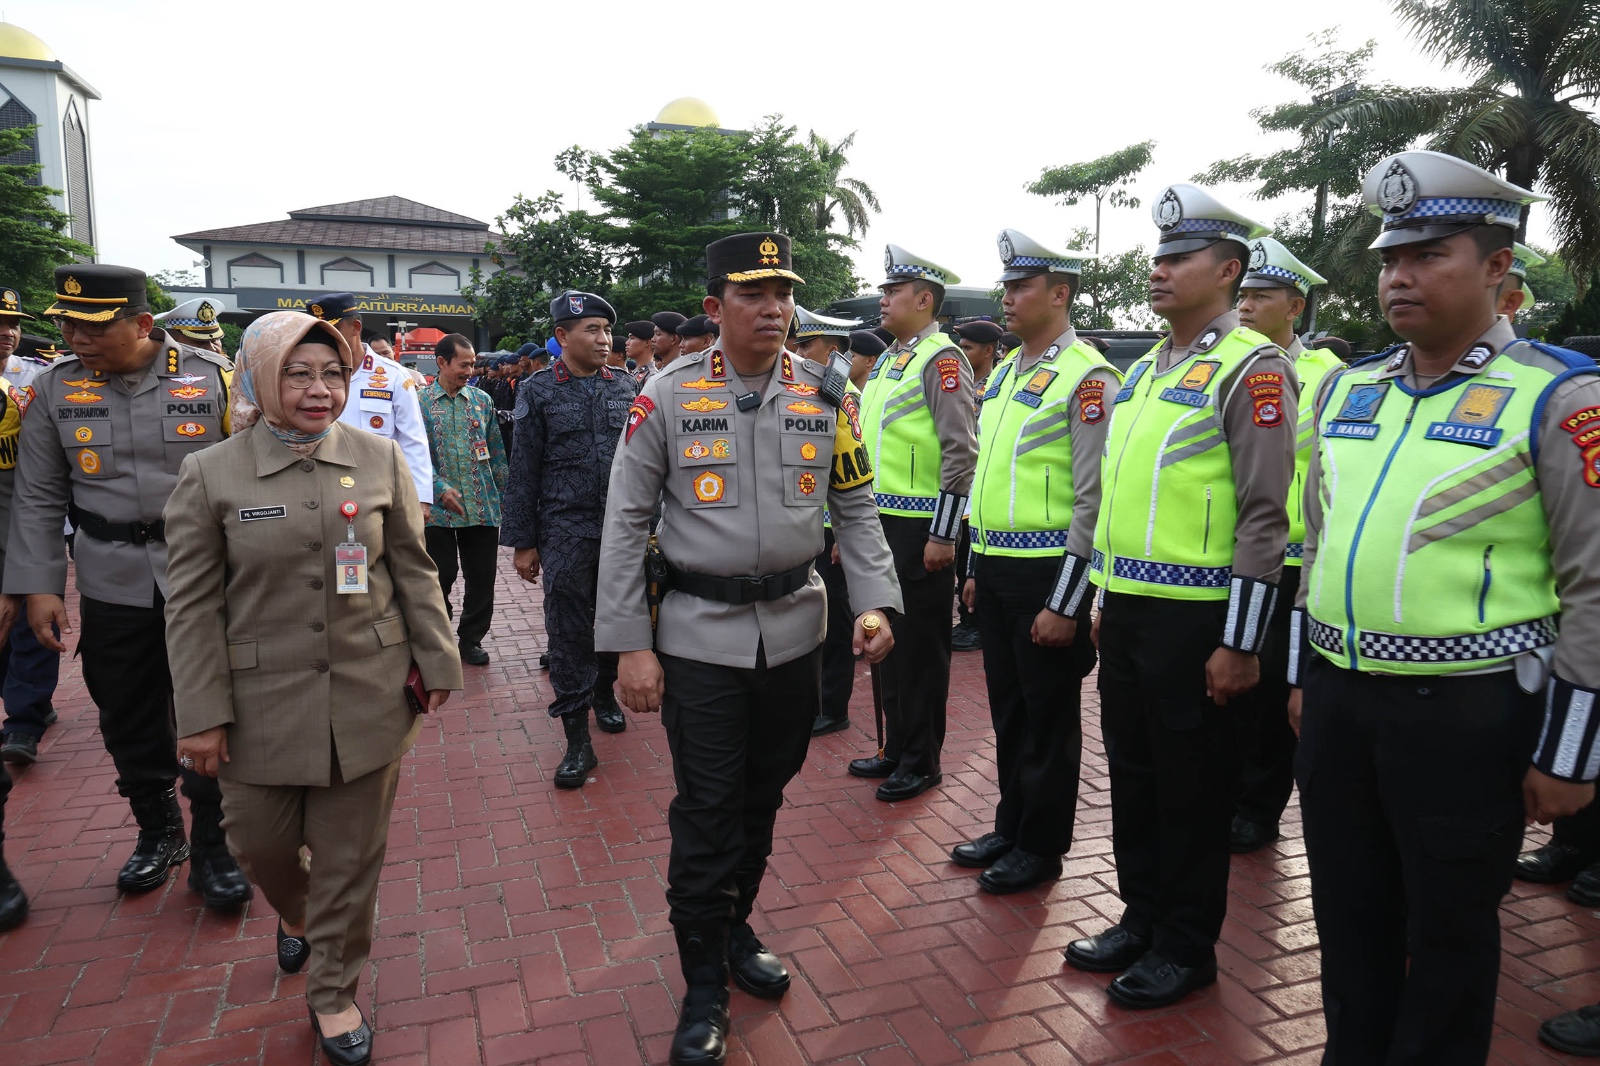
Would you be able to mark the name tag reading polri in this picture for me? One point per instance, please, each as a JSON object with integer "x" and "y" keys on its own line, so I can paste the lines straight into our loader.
{"x": 349, "y": 556}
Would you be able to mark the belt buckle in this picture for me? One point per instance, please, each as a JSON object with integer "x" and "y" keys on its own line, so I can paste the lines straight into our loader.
{"x": 752, "y": 589}
{"x": 141, "y": 533}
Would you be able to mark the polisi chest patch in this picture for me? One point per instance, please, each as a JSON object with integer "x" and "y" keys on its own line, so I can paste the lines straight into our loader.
{"x": 1472, "y": 420}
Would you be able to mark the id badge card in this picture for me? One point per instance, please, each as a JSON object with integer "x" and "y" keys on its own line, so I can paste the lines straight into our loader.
{"x": 350, "y": 563}
{"x": 480, "y": 450}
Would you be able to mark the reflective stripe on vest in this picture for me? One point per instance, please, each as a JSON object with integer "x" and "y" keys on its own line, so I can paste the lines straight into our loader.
{"x": 1022, "y": 492}
{"x": 1168, "y": 509}
{"x": 896, "y": 424}
{"x": 1313, "y": 365}
{"x": 1434, "y": 555}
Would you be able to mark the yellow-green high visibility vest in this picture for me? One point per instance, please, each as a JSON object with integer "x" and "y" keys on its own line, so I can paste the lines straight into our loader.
{"x": 1312, "y": 365}
{"x": 1022, "y": 493}
{"x": 1434, "y": 554}
{"x": 899, "y": 432}
{"x": 1167, "y": 505}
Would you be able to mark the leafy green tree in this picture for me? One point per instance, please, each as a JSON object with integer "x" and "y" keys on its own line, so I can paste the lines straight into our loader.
{"x": 1115, "y": 289}
{"x": 850, "y": 198}
{"x": 1527, "y": 111}
{"x": 1105, "y": 180}
{"x": 546, "y": 248}
{"x": 1581, "y": 318}
{"x": 33, "y": 234}
{"x": 1554, "y": 288}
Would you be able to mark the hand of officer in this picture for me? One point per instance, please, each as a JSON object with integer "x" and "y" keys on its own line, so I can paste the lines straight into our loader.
{"x": 526, "y": 560}
{"x": 1294, "y": 710}
{"x": 451, "y": 501}
{"x": 45, "y": 610}
{"x": 206, "y": 751}
{"x": 835, "y": 553}
{"x": 969, "y": 594}
{"x": 875, "y": 647}
{"x": 8, "y": 617}
{"x": 1094, "y": 629}
{"x": 640, "y": 682}
{"x": 1546, "y": 798}
{"x": 936, "y": 556}
{"x": 1051, "y": 630}
{"x": 436, "y": 698}
{"x": 1231, "y": 673}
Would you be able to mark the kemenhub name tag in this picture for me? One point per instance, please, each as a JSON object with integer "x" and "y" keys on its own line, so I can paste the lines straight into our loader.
{"x": 256, "y": 514}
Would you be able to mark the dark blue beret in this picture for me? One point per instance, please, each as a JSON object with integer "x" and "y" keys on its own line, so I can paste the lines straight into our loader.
{"x": 573, "y": 305}
{"x": 866, "y": 342}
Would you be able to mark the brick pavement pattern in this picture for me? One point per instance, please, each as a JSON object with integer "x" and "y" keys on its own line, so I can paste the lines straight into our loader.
{"x": 520, "y": 924}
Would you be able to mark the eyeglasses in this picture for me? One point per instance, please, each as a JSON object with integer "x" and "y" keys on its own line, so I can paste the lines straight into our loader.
{"x": 301, "y": 376}
{"x": 87, "y": 329}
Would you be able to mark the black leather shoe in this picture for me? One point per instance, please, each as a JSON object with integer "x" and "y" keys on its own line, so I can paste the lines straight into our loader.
{"x": 544, "y": 661}
{"x": 903, "y": 784}
{"x": 1018, "y": 871}
{"x": 1576, "y": 1032}
{"x": 608, "y": 716}
{"x": 701, "y": 1038}
{"x": 1247, "y": 836}
{"x": 1585, "y": 888}
{"x": 1551, "y": 864}
{"x": 347, "y": 1049}
{"x": 1155, "y": 982}
{"x": 981, "y": 854}
{"x": 754, "y": 968}
{"x": 19, "y": 749}
{"x": 161, "y": 846}
{"x": 824, "y": 725}
{"x": 293, "y": 951}
{"x": 13, "y": 901}
{"x": 873, "y": 766}
{"x": 1112, "y": 951}
{"x": 580, "y": 757}
{"x": 474, "y": 655}
{"x": 964, "y": 637}
{"x": 217, "y": 877}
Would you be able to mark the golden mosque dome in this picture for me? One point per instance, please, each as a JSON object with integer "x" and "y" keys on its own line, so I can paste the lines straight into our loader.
{"x": 18, "y": 43}
{"x": 685, "y": 111}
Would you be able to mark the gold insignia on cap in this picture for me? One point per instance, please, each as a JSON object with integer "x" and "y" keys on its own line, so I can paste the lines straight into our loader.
{"x": 207, "y": 313}
{"x": 11, "y": 298}
{"x": 316, "y": 309}
{"x": 72, "y": 286}
{"x": 769, "y": 252}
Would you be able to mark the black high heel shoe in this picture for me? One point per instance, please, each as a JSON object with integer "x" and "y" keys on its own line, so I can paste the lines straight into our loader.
{"x": 293, "y": 951}
{"x": 347, "y": 1049}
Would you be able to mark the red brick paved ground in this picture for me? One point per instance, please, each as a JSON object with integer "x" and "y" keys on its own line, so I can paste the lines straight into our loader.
{"x": 519, "y": 924}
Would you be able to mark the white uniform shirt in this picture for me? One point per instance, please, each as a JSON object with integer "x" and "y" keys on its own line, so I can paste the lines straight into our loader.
{"x": 383, "y": 401}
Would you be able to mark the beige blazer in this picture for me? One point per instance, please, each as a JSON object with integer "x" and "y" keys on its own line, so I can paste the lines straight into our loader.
{"x": 259, "y": 640}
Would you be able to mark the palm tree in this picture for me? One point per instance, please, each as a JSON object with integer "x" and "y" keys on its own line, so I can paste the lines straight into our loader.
{"x": 850, "y": 197}
{"x": 1535, "y": 69}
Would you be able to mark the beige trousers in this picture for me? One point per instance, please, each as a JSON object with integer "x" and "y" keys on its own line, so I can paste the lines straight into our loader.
{"x": 346, "y": 826}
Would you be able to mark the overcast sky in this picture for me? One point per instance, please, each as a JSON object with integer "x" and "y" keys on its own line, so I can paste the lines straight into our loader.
{"x": 225, "y": 113}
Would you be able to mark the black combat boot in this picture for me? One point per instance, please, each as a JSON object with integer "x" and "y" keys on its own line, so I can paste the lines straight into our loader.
{"x": 579, "y": 760}
{"x": 13, "y": 901}
{"x": 607, "y": 715}
{"x": 212, "y": 871}
{"x": 701, "y": 1039}
{"x": 161, "y": 845}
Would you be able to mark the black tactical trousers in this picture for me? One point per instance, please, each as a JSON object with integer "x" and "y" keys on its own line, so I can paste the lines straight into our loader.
{"x": 1267, "y": 778}
{"x": 1034, "y": 700}
{"x": 571, "y": 569}
{"x": 737, "y": 737}
{"x": 838, "y": 661}
{"x": 5, "y": 791}
{"x": 124, "y": 653}
{"x": 1581, "y": 831}
{"x": 1173, "y": 757}
{"x": 963, "y": 558}
{"x": 1411, "y": 788}
{"x": 478, "y": 548}
{"x": 915, "y": 677}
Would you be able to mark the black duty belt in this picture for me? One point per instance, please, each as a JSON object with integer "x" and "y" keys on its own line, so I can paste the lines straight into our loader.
{"x": 739, "y": 590}
{"x": 101, "y": 528}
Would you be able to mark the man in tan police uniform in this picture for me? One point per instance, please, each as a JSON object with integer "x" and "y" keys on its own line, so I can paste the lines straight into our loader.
{"x": 744, "y": 443}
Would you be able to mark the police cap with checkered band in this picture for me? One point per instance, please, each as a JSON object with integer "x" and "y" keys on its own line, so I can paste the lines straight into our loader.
{"x": 1190, "y": 219}
{"x": 900, "y": 265}
{"x": 1024, "y": 257}
{"x": 1272, "y": 266}
{"x": 1426, "y": 196}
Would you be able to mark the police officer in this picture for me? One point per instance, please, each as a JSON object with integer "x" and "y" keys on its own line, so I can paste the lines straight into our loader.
{"x": 665, "y": 344}
{"x": 746, "y": 442}
{"x": 1034, "y": 499}
{"x": 194, "y": 322}
{"x": 1450, "y": 599}
{"x": 1514, "y": 292}
{"x": 110, "y": 425}
{"x": 979, "y": 341}
{"x": 568, "y": 419}
{"x": 1272, "y": 297}
{"x": 638, "y": 342}
{"x": 383, "y": 397}
{"x": 696, "y": 334}
{"x": 918, "y": 399}
{"x": 1188, "y": 547}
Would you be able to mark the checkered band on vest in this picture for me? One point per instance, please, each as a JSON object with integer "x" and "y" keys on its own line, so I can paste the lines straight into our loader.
{"x": 1046, "y": 538}
{"x": 1472, "y": 647}
{"x": 904, "y": 503}
{"x": 1206, "y": 577}
{"x": 1433, "y": 207}
{"x": 1189, "y": 225}
{"x": 1329, "y": 638}
{"x": 1295, "y": 551}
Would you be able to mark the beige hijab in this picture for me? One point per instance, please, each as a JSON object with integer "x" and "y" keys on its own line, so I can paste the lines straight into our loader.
{"x": 263, "y": 351}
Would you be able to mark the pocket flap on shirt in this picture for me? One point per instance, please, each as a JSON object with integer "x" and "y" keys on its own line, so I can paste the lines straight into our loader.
{"x": 242, "y": 656}
{"x": 390, "y": 631}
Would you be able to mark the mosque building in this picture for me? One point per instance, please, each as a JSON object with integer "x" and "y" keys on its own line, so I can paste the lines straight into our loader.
{"x": 38, "y": 89}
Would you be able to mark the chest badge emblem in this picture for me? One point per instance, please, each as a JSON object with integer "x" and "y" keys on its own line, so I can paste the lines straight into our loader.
{"x": 708, "y": 487}
{"x": 704, "y": 403}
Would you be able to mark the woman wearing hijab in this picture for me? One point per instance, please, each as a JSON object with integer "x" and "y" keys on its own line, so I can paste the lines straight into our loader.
{"x": 301, "y": 596}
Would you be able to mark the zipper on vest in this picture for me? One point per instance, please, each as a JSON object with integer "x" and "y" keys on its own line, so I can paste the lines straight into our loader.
{"x": 1205, "y": 542}
{"x": 1047, "y": 494}
{"x": 1355, "y": 540}
{"x": 1488, "y": 577}
{"x": 913, "y": 468}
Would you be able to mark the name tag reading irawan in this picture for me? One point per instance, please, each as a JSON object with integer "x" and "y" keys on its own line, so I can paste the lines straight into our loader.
{"x": 349, "y": 557}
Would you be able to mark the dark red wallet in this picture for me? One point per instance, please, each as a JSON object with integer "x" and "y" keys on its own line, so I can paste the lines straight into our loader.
{"x": 416, "y": 692}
